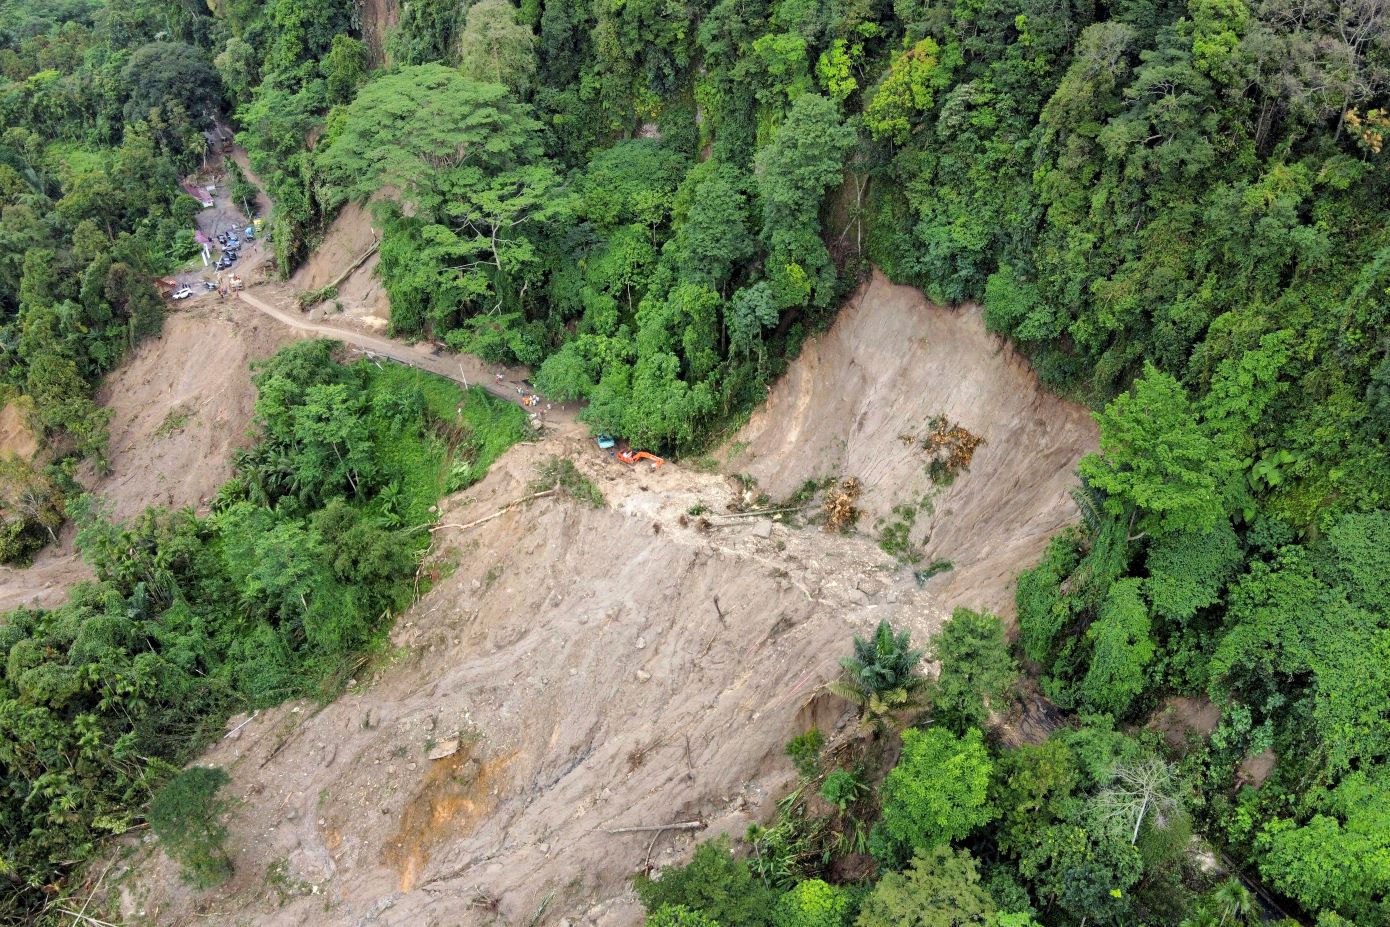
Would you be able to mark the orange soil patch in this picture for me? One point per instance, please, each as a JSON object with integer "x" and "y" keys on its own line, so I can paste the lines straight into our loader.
{"x": 457, "y": 793}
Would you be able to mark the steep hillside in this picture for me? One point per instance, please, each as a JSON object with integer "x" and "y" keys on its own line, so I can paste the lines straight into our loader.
{"x": 857, "y": 403}
{"x": 15, "y": 435}
{"x": 180, "y": 405}
{"x": 596, "y": 668}
{"x": 360, "y": 293}
{"x": 580, "y": 670}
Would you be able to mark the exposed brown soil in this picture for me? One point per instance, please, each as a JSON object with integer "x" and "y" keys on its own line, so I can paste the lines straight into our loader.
{"x": 859, "y": 402}
{"x": 1182, "y": 718}
{"x": 590, "y": 669}
{"x": 602, "y": 668}
{"x": 456, "y": 794}
{"x": 361, "y": 299}
{"x": 379, "y": 18}
{"x": 15, "y": 435}
{"x": 43, "y": 583}
{"x": 181, "y": 404}
{"x": 1254, "y": 770}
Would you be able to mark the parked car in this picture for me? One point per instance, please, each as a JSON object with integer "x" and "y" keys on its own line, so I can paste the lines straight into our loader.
{"x": 182, "y": 292}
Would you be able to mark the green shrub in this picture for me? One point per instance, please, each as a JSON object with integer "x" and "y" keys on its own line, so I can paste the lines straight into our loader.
{"x": 804, "y": 749}
{"x": 812, "y": 903}
{"x": 715, "y": 884}
{"x": 675, "y": 915}
{"x": 186, "y": 815}
{"x": 842, "y": 788}
{"x": 562, "y": 473}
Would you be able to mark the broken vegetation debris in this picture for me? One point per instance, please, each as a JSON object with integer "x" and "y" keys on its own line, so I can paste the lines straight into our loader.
{"x": 950, "y": 447}
{"x": 840, "y": 511}
{"x": 562, "y": 473}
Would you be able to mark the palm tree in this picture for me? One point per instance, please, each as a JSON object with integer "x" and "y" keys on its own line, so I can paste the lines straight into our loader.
{"x": 881, "y": 676}
{"x": 1202, "y": 917}
{"x": 1235, "y": 902}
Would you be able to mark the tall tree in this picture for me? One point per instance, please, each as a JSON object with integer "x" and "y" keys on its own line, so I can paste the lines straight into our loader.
{"x": 938, "y": 792}
{"x": 164, "y": 73}
{"x": 882, "y": 675}
{"x": 424, "y": 130}
{"x": 941, "y": 888}
{"x": 1159, "y": 464}
{"x": 976, "y": 670}
{"x": 496, "y": 49}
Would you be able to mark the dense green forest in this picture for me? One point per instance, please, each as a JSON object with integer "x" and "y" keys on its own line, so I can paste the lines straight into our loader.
{"x": 1178, "y": 210}
{"x": 97, "y": 124}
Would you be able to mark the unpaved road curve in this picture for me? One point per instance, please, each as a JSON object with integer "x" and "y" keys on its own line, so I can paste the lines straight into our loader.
{"x": 464, "y": 369}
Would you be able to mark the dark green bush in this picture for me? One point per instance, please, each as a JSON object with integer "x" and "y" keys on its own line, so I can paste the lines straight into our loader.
{"x": 186, "y": 815}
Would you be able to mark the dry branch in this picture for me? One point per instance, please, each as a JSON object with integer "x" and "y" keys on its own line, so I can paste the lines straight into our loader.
{"x": 502, "y": 511}
{"x": 794, "y": 508}
{"x": 648, "y": 828}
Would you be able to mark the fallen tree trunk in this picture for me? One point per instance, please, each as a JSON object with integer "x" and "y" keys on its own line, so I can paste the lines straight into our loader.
{"x": 502, "y": 511}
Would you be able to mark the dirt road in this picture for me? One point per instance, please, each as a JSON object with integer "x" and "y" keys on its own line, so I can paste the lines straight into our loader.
{"x": 464, "y": 369}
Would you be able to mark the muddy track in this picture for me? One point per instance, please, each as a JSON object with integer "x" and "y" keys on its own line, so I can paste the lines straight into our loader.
{"x": 464, "y": 369}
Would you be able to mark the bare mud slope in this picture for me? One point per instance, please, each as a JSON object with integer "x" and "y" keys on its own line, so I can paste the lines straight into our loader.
{"x": 856, "y": 397}
{"x": 592, "y": 669}
{"x": 360, "y": 293}
{"x": 180, "y": 405}
{"x": 580, "y": 670}
{"x": 15, "y": 436}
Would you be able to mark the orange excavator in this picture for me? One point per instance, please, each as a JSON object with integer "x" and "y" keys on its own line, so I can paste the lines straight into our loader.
{"x": 631, "y": 457}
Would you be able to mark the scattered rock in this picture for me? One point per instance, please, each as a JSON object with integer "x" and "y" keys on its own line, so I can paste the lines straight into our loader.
{"x": 643, "y": 675}
{"x": 444, "y": 748}
{"x": 641, "y": 643}
{"x": 762, "y": 528}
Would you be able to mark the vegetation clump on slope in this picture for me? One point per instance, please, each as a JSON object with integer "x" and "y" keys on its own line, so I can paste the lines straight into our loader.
{"x": 955, "y": 829}
{"x": 308, "y": 551}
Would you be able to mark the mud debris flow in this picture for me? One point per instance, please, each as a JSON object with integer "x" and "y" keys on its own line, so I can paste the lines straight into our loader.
{"x": 587, "y": 665}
